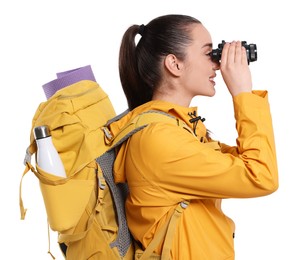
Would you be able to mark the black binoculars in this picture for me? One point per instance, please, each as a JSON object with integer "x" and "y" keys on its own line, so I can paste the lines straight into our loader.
{"x": 251, "y": 51}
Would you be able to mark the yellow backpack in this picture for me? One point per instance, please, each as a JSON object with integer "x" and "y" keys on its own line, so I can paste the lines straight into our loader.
{"x": 87, "y": 208}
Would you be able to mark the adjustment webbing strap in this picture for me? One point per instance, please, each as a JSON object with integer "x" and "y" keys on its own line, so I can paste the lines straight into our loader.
{"x": 171, "y": 229}
{"x": 166, "y": 231}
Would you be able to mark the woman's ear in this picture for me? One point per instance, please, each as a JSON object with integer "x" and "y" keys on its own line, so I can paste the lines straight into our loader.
{"x": 173, "y": 65}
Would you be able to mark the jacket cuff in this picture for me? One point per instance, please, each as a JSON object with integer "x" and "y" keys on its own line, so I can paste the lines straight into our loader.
{"x": 250, "y": 102}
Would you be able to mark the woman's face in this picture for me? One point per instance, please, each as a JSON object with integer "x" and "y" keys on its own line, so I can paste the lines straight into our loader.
{"x": 199, "y": 70}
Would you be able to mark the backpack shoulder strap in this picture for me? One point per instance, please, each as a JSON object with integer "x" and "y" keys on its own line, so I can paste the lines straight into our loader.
{"x": 138, "y": 123}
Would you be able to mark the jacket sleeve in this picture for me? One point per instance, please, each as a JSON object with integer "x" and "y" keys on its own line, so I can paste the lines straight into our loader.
{"x": 183, "y": 168}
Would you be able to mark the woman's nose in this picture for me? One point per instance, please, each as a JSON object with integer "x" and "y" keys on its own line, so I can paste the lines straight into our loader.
{"x": 216, "y": 65}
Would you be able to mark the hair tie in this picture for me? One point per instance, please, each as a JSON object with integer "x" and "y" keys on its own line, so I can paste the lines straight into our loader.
{"x": 141, "y": 29}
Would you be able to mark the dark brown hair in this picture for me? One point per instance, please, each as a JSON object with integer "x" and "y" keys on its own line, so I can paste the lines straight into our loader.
{"x": 140, "y": 64}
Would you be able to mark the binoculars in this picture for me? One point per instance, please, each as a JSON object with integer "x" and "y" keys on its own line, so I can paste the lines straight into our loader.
{"x": 251, "y": 51}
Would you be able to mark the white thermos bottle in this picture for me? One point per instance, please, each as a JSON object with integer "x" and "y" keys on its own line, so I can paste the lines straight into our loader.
{"x": 48, "y": 158}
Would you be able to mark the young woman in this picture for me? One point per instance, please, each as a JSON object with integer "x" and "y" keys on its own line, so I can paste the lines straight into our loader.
{"x": 164, "y": 164}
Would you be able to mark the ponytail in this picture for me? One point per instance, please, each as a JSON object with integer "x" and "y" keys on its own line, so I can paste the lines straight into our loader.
{"x": 131, "y": 81}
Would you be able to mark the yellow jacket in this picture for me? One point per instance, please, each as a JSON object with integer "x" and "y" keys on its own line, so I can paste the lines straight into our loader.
{"x": 165, "y": 164}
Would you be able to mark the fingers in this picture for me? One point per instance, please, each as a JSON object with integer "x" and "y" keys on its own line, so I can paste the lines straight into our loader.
{"x": 225, "y": 53}
{"x": 234, "y": 68}
{"x": 244, "y": 59}
{"x": 238, "y": 52}
{"x": 233, "y": 52}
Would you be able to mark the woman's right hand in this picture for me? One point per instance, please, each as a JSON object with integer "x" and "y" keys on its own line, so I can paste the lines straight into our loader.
{"x": 234, "y": 68}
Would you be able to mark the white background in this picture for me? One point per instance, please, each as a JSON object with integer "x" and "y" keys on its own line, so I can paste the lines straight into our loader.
{"x": 40, "y": 38}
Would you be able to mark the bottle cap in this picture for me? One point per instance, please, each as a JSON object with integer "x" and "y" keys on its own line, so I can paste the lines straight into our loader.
{"x": 41, "y": 132}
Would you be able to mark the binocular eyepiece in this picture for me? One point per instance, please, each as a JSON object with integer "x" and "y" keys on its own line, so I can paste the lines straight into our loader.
{"x": 251, "y": 51}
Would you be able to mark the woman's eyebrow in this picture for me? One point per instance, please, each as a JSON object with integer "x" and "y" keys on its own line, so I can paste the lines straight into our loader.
{"x": 207, "y": 45}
